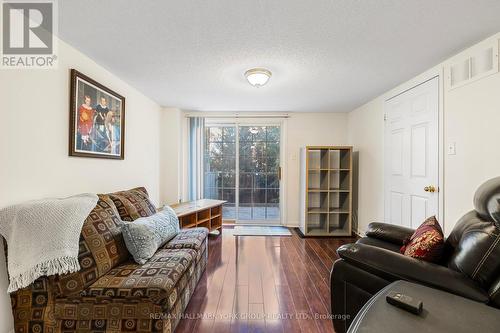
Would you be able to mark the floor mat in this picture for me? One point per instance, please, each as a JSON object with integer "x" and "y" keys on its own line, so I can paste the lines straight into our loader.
{"x": 244, "y": 230}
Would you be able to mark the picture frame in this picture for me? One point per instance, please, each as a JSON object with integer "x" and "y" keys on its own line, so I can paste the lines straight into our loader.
{"x": 97, "y": 119}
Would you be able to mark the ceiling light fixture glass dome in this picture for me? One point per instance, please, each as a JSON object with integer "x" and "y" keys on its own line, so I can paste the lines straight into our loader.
{"x": 258, "y": 77}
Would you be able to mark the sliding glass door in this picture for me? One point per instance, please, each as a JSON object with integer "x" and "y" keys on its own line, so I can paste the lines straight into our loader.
{"x": 259, "y": 163}
{"x": 242, "y": 166}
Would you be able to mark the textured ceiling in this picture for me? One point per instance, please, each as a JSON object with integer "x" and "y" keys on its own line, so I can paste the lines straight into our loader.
{"x": 325, "y": 55}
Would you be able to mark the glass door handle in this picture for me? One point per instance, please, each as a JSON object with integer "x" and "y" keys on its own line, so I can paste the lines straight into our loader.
{"x": 279, "y": 173}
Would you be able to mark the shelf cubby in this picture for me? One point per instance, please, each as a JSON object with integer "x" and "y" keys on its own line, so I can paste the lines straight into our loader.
{"x": 339, "y": 201}
{"x": 318, "y": 202}
{"x": 318, "y": 223}
{"x": 203, "y": 215}
{"x": 340, "y": 180}
{"x": 205, "y": 224}
{"x": 318, "y": 180}
{"x": 314, "y": 159}
{"x": 345, "y": 159}
{"x": 188, "y": 221}
{"x": 339, "y": 223}
{"x": 216, "y": 217}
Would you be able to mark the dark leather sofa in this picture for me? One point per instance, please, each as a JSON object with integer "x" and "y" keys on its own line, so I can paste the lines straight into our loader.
{"x": 470, "y": 266}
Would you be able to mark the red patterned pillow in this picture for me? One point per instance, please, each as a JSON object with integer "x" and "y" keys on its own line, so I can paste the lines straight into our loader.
{"x": 426, "y": 243}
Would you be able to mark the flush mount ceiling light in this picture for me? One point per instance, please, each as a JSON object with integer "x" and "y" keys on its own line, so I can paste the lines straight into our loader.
{"x": 258, "y": 77}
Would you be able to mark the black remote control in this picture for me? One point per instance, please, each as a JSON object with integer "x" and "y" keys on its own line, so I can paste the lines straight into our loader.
{"x": 405, "y": 302}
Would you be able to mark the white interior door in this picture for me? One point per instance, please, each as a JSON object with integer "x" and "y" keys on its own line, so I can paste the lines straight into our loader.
{"x": 412, "y": 155}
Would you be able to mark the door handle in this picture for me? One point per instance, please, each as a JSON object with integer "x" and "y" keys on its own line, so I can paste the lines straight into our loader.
{"x": 279, "y": 173}
{"x": 430, "y": 189}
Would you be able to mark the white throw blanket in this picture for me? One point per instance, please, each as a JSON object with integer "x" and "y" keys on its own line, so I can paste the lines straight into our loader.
{"x": 43, "y": 237}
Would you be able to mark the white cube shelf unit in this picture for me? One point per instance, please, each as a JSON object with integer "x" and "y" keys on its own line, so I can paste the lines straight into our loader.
{"x": 326, "y": 191}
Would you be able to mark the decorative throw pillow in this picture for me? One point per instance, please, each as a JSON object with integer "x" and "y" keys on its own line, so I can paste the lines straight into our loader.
{"x": 146, "y": 235}
{"x": 133, "y": 204}
{"x": 426, "y": 243}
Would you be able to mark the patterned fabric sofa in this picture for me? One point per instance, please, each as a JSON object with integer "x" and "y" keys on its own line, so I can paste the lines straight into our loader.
{"x": 112, "y": 293}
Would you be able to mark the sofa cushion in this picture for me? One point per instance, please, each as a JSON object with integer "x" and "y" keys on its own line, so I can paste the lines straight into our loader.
{"x": 80, "y": 315}
{"x": 145, "y": 235}
{"x": 101, "y": 248}
{"x": 379, "y": 243}
{"x": 32, "y": 307}
{"x": 188, "y": 239}
{"x": 133, "y": 204}
{"x": 118, "y": 310}
{"x": 155, "y": 280}
{"x": 426, "y": 243}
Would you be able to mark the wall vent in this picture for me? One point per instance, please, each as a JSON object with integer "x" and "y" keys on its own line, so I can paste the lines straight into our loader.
{"x": 473, "y": 65}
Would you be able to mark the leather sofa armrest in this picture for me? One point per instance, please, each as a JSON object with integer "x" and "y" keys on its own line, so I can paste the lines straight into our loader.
{"x": 393, "y": 266}
{"x": 494, "y": 294}
{"x": 389, "y": 232}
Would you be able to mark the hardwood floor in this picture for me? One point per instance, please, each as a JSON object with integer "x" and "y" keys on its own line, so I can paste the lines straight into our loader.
{"x": 264, "y": 284}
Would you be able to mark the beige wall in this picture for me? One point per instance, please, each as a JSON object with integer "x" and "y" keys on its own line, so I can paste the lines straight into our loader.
{"x": 472, "y": 118}
{"x": 171, "y": 146}
{"x": 469, "y": 116}
{"x": 366, "y": 135}
{"x": 308, "y": 129}
{"x": 34, "y": 142}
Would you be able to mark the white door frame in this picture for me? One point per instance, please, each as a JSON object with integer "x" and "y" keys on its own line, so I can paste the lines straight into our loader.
{"x": 260, "y": 121}
{"x": 434, "y": 73}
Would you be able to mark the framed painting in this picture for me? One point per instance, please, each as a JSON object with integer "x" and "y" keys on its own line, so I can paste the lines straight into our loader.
{"x": 97, "y": 119}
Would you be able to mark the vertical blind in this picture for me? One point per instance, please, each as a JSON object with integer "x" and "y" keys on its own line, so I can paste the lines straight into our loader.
{"x": 195, "y": 158}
